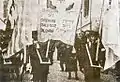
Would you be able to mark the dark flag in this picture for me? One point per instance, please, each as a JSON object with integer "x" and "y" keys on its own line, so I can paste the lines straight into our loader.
{"x": 50, "y": 5}
{"x": 110, "y": 1}
{"x": 70, "y": 7}
{"x": 86, "y": 8}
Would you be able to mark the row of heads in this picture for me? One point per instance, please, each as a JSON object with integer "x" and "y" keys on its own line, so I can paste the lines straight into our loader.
{"x": 88, "y": 33}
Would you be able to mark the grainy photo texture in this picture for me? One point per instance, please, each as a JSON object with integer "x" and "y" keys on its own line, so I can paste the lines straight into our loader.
{"x": 59, "y": 40}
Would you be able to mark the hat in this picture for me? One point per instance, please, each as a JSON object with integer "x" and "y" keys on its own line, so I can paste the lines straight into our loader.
{"x": 91, "y": 33}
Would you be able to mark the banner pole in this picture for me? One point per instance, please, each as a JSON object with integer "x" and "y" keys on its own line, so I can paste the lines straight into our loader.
{"x": 48, "y": 45}
{"x": 100, "y": 28}
{"x": 24, "y": 61}
{"x": 79, "y": 16}
{"x": 91, "y": 15}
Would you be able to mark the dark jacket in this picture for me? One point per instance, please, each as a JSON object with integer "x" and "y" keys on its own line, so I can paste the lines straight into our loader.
{"x": 38, "y": 70}
{"x": 61, "y": 52}
{"x": 71, "y": 60}
{"x": 1, "y": 60}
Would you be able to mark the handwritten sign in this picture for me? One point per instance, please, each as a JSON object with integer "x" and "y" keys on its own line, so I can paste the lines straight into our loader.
{"x": 58, "y": 19}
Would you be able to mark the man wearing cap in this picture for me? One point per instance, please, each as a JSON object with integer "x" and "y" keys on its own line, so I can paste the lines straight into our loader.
{"x": 71, "y": 62}
{"x": 92, "y": 73}
{"x": 80, "y": 42}
{"x": 61, "y": 55}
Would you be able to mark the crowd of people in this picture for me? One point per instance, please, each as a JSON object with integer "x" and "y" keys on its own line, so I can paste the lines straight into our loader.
{"x": 92, "y": 74}
{"x": 69, "y": 59}
{"x": 88, "y": 52}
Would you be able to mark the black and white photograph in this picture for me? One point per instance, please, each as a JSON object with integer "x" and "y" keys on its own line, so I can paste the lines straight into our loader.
{"x": 59, "y": 40}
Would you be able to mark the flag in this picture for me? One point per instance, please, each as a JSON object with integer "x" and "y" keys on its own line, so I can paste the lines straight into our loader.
{"x": 2, "y": 24}
{"x": 1, "y": 9}
{"x": 111, "y": 32}
{"x": 86, "y": 8}
{"x": 15, "y": 44}
{"x": 22, "y": 33}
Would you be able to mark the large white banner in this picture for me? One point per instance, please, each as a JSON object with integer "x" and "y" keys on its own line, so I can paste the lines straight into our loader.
{"x": 22, "y": 33}
{"x": 93, "y": 7}
{"x": 2, "y": 25}
{"x": 111, "y": 33}
{"x": 58, "y": 19}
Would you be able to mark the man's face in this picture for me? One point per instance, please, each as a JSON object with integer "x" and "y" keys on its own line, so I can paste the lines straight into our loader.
{"x": 93, "y": 39}
{"x": 87, "y": 33}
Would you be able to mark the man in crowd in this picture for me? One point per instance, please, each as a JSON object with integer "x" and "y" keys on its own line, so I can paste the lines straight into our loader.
{"x": 80, "y": 42}
{"x": 71, "y": 62}
{"x": 92, "y": 74}
{"x": 61, "y": 55}
{"x": 1, "y": 65}
{"x": 40, "y": 70}
{"x": 117, "y": 69}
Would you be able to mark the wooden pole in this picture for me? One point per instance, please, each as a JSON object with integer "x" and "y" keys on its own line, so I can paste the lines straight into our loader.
{"x": 91, "y": 15}
{"x": 79, "y": 16}
{"x": 48, "y": 45}
{"x": 25, "y": 56}
{"x": 100, "y": 28}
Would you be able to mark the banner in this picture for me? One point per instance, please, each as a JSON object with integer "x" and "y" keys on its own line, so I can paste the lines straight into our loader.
{"x": 58, "y": 20}
{"x": 1, "y": 9}
{"x": 91, "y": 13}
{"x": 2, "y": 24}
{"x": 22, "y": 33}
{"x": 111, "y": 32}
